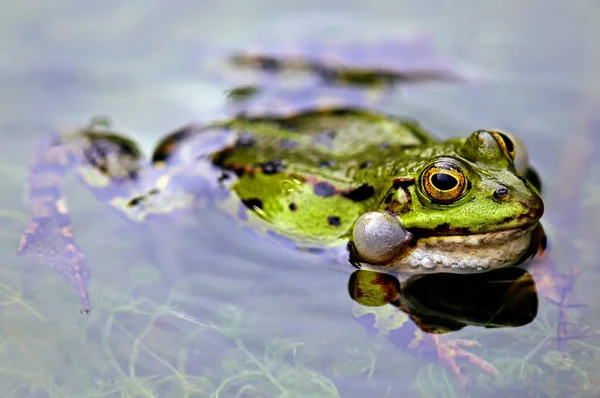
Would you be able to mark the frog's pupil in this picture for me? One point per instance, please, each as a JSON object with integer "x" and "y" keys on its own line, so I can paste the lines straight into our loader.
{"x": 443, "y": 181}
{"x": 510, "y": 147}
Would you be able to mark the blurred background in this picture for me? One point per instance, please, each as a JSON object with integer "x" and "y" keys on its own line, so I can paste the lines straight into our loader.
{"x": 205, "y": 308}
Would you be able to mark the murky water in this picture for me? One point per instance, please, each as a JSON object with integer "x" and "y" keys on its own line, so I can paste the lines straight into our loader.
{"x": 204, "y": 308}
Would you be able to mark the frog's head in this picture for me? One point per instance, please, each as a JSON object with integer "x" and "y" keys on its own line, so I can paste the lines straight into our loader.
{"x": 469, "y": 207}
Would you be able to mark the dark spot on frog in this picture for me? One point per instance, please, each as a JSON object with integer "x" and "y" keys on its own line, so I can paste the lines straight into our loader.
{"x": 253, "y": 203}
{"x": 389, "y": 197}
{"x": 168, "y": 145}
{"x": 325, "y": 138}
{"x": 324, "y": 189}
{"x": 341, "y": 111}
{"x": 384, "y": 145}
{"x": 220, "y": 158}
{"x": 366, "y": 164}
{"x": 272, "y": 167}
{"x": 364, "y": 192}
{"x": 288, "y": 124}
{"x": 403, "y": 182}
{"x": 293, "y": 207}
{"x": 288, "y": 144}
{"x": 326, "y": 163}
{"x": 239, "y": 171}
{"x": 442, "y": 229}
{"x": 245, "y": 140}
{"x": 334, "y": 221}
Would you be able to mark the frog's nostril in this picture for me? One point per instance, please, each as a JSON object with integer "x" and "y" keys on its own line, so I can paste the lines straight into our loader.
{"x": 500, "y": 193}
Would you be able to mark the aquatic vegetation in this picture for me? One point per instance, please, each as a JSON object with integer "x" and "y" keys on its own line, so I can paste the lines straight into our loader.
{"x": 125, "y": 355}
{"x": 287, "y": 378}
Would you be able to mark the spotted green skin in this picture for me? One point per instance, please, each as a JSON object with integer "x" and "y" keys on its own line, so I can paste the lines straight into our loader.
{"x": 335, "y": 165}
{"x": 311, "y": 199}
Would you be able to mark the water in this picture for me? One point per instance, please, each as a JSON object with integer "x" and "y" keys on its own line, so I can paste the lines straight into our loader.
{"x": 215, "y": 310}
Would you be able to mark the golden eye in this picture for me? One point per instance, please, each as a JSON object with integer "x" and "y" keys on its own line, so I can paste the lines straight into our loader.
{"x": 505, "y": 142}
{"x": 519, "y": 156}
{"x": 444, "y": 182}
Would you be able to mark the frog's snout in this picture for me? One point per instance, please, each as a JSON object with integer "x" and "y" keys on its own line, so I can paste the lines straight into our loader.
{"x": 535, "y": 206}
{"x": 532, "y": 206}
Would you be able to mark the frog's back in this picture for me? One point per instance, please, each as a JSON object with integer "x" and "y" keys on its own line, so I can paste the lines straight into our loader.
{"x": 311, "y": 175}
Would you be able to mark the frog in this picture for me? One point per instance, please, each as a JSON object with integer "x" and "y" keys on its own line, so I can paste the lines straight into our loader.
{"x": 327, "y": 172}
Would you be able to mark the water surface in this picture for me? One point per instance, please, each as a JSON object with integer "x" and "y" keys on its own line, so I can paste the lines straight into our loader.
{"x": 204, "y": 308}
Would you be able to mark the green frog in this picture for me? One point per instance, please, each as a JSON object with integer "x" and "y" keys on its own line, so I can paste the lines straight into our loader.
{"x": 322, "y": 174}
{"x": 404, "y": 201}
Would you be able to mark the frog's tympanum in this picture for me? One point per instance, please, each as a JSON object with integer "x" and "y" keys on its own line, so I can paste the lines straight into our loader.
{"x": 322, "y": 174}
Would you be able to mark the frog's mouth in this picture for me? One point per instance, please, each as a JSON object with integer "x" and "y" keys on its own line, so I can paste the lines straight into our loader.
{"x": 468, "y": 253}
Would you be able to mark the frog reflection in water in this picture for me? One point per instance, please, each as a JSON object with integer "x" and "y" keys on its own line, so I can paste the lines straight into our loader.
{"x": 338, "y": 176}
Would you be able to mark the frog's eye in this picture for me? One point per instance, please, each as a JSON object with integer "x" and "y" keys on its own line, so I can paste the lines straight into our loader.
{"x": 515, "y": 149}
{"x": 378, "y": 236}
{"x": 444, "y": 182}
{"x": 506, "y": 143}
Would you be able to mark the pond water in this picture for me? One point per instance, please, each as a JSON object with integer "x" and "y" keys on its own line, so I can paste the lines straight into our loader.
{"x": 205, "y": 308}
